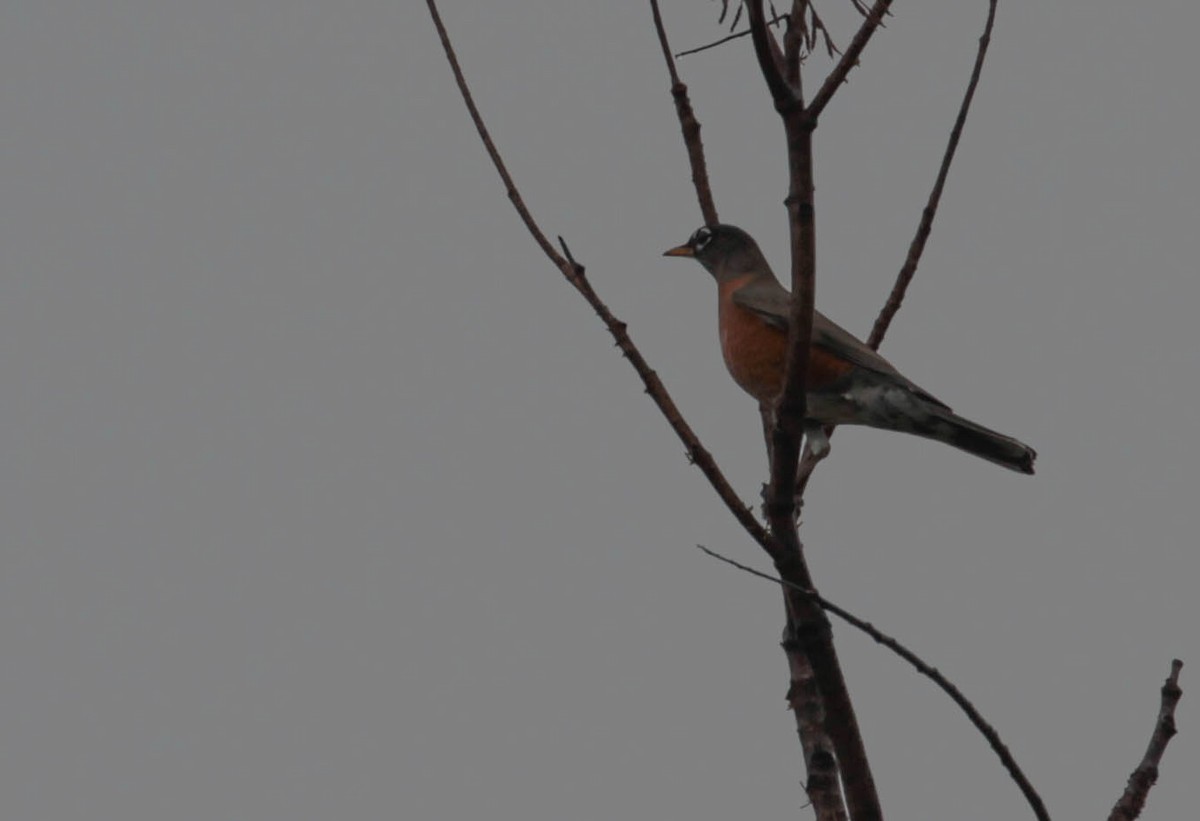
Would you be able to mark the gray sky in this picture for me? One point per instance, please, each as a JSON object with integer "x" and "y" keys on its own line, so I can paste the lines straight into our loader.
{"x": 324, "y": 496}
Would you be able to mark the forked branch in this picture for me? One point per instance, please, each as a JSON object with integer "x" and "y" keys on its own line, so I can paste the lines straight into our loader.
{"x": 930, "y": 672}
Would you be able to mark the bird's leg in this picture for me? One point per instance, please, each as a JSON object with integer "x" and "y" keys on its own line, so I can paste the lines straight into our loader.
{"x": 816, "y": 448}
{"x": 816, "y": 441}
{"x": 767, "y": 412}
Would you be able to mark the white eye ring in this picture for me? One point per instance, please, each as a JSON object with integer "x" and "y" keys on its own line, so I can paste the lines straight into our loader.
{"x": 701, "y": 238}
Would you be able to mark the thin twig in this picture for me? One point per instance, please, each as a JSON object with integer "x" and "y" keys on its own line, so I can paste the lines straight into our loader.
{"x": 574, "y": 272}
{"x": 917, "y": 247}
{"x": 735, "y": 36}
{"x": 988, "y": 731}
{"x": 816, "y": 27}
{"x": 688, "y": 124}
{"x": 1143, "y": 777}
{"x": 833, "y": 82}
{"x": 805, "y": 28}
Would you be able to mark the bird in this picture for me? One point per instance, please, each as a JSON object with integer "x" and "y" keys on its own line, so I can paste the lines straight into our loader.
{"x": 848, "y": 383}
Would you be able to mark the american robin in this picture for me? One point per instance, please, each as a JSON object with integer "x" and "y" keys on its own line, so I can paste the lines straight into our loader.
{"x": 848, "y": 383}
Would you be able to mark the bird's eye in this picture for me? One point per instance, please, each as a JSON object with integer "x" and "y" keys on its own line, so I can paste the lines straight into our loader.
{"x": 701, "y": 238}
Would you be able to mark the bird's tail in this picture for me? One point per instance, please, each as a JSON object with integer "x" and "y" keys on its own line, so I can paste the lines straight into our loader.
{"x": 884, "y": 402}
{"x": 946, "y": 426}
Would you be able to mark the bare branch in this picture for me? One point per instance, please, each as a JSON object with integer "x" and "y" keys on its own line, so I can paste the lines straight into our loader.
{"x": 737, "y": 15}
{"x": 574, "y": 272}
{"x": 849, "y": 59}
{"x": 770, "y": 59}
{"x": 917, "y": 247}
{"x": 794, "y": 38}
{"x": 804, "y": 699}
{"x": 815, "y": 27}
{"x": 689, "y": 124}
{"x": 1143, "y": 777}
{"x": 805, "y": 29}
{"x": 809, "y": 646}
{"x": 806, "y": 621}
{"x": 988, "y": 731}
{"x": 774, "y": 21}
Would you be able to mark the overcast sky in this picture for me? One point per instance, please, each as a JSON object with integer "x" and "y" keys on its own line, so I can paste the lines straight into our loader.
{"x": 324, "y": 497}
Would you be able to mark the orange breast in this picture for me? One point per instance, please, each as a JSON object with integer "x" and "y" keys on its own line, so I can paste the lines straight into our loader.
{"x": 755, "y": 352}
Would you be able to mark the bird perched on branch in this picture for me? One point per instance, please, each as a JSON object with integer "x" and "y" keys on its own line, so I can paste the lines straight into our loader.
{"x": 848, "y": 383}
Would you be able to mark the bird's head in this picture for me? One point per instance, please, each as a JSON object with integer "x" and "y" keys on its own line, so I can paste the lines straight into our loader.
{"x": 726, "y": 251}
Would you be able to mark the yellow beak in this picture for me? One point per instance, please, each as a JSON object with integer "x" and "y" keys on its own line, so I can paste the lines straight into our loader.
{"x": 680, "y": 251}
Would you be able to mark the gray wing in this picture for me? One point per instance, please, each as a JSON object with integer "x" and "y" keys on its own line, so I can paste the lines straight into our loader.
{"x": 772, "y": 302}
